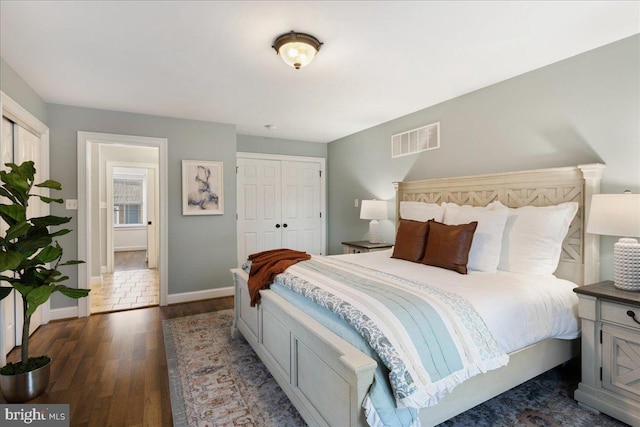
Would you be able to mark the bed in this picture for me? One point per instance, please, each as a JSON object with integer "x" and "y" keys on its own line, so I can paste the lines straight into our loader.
{"x": 327, "y": 379}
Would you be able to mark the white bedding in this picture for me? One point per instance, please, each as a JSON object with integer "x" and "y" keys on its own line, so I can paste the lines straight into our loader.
{"x": 519, "y": 310}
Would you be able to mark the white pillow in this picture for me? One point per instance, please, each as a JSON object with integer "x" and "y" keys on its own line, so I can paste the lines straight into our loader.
{"x": 420, "y": 211}
{"x": 484, "y": 254}
{"x": 533, "y": 236}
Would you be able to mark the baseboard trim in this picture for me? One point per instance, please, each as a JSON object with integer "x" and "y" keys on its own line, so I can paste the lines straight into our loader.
{"x": 96, "y": 280}
{"x": 129, "y": 248}
{"x": 200, "y": 295}
{"x": 63, "y": 313}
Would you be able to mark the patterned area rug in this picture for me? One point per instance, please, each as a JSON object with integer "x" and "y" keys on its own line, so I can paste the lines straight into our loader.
{"x": 218, "y": 381}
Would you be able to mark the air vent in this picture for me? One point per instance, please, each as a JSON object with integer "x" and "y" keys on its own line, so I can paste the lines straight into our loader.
{"x": 416, "y": 140}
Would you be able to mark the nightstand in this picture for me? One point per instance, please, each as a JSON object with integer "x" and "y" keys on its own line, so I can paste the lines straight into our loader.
{"x": 363, "y": 246}
{"x": 610, "y": 351}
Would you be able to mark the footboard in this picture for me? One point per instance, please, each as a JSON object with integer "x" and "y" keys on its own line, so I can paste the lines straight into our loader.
{"x": 324, "y": 376}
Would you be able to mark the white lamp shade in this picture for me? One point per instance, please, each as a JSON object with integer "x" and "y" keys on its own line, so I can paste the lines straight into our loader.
{"x": 373, "y": 209}
{"x": 615, "y": 215}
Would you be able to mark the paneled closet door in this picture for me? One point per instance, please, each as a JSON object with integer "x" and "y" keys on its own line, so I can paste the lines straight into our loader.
{"x": 259, "y": 206}
{"x": 27, "y": 147}
{"x": 8, "y": 304}
{"x": 301, "y": 209}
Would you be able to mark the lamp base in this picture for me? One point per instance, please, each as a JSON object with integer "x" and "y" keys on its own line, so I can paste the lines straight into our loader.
{"x": 374, "y": 231}
{"x": 626, "y": 264}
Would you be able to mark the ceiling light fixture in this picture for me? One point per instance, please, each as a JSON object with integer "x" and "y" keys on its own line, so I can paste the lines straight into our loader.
{"x": 296, "y": 49}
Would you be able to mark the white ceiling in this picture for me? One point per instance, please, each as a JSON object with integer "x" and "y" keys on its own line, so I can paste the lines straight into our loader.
{"x": 213, "y": 60}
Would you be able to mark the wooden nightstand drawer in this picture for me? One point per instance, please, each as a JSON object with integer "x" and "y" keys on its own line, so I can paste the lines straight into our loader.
{"x": 617, "y": 313}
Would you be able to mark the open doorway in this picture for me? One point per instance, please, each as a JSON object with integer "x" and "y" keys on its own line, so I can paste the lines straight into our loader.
{"x": 130, "y": 278}
{"x": 137, "y": 167}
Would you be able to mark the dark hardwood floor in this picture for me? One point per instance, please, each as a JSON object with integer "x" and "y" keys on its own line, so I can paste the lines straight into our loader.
{"x": 112, "y": 368}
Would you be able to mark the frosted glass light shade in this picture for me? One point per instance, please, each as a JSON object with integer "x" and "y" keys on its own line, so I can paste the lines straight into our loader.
{"x": 373, "y": 209}
{"x": 297, "y": 49}
{"x": 615, "y": 215}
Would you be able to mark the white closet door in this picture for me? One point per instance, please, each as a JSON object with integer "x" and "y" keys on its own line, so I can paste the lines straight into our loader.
{"x": 27, "y": 147}
{"x": 301, "y": 220}
{"x": 259, "y": 206}
{"x": 8, "y": 304}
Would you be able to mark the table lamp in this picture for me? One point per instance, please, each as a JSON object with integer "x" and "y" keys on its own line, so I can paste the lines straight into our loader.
{"x": 374, "y": 210}
{"x": 619, "y": 215}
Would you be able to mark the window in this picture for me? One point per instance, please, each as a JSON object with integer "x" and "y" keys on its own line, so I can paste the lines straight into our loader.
{"x": 127, "y": 201}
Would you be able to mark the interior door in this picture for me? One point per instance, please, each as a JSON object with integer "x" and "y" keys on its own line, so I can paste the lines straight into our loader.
{"x": 301, "y": 209}
{"x": 8, "y": 304}
{"x": 27, "y": 147}
{"x": 259, "y": 206}
{"x": 152, "y": 219}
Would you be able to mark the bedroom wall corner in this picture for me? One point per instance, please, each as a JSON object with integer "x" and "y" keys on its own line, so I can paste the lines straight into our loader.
{"x": 20, "y": 91}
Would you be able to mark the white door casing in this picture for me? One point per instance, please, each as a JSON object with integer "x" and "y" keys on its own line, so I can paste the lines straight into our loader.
{"x": 85, "y": 139}
{"x": 281, "y": 203}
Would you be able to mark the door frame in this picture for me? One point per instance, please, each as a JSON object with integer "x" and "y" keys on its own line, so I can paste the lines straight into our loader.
{"x": 109, "y": 217}
{"x": 85, "y": 139}
{"x": 323, "y": 185}
{"x": 19, "y": 115}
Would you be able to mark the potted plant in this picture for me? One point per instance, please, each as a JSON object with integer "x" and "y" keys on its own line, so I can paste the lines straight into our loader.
{"x": 29, "y": 262}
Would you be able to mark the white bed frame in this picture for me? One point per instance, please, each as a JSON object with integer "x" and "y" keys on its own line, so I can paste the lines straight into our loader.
{"x": 326, "y": 378}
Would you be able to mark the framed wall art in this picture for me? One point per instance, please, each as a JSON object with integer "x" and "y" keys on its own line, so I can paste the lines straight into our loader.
{"x": 202, "y": 188}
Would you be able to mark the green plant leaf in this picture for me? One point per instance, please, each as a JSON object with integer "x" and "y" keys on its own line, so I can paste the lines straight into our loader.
{"x": 23, "y": 289}
{"x": 72, "y": 262}
{"x": 17, "y": 230}
{"x": 49, "y": 199}
{"x": 48, "y": 254}
{"x": 10, "y": 260}
{"x": 13, "y": 213}
{"x": 60, "y": 233}
{"x": 49, "y": 220}
{"x": 5, "y": 193}
{"x": 27, "y": 169}
{"x": 72, "y": 292}
{"x": 54, "y": 185}
{"x": 16, "y": 185}
{"x": 28, "y": 247}
{"x": 5, "y": 291}
{"x": 38, "y": 296}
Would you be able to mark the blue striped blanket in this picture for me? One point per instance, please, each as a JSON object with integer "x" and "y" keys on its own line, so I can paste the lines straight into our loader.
{"x": 429, "y": 339}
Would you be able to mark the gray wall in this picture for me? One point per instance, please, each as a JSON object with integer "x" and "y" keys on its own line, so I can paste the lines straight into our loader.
{"x": 259, "y": 144}
{"x": 584, "y": 109}
{"x": 201, "y": 248}
{"x": 14, "y": 86}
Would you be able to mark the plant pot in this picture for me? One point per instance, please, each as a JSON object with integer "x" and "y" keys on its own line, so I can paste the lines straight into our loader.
{"x": 24, "y": 387}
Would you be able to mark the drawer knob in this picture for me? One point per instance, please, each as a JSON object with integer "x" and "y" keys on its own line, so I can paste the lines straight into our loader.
{"x": 631, "y": 314}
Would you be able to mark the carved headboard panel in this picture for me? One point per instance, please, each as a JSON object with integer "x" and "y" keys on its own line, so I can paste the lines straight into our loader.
{"x": 579, "y": 261}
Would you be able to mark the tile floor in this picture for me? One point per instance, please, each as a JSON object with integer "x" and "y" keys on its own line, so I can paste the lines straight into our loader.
{"x": 129, "y": 286}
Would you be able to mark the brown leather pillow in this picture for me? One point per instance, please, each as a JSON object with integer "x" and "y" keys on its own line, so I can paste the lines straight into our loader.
{"x": 448, "y": 245}
{"x": 410, "y": 240}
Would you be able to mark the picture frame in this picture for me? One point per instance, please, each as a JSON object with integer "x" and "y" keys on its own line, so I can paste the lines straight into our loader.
{"x": 202, "y": 187}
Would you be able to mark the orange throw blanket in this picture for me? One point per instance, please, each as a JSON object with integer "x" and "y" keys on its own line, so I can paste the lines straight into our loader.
{"x": 267, "y": 265}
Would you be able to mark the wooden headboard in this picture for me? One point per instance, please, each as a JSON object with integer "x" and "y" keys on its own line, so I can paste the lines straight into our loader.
{"x": 580, "y": 259}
